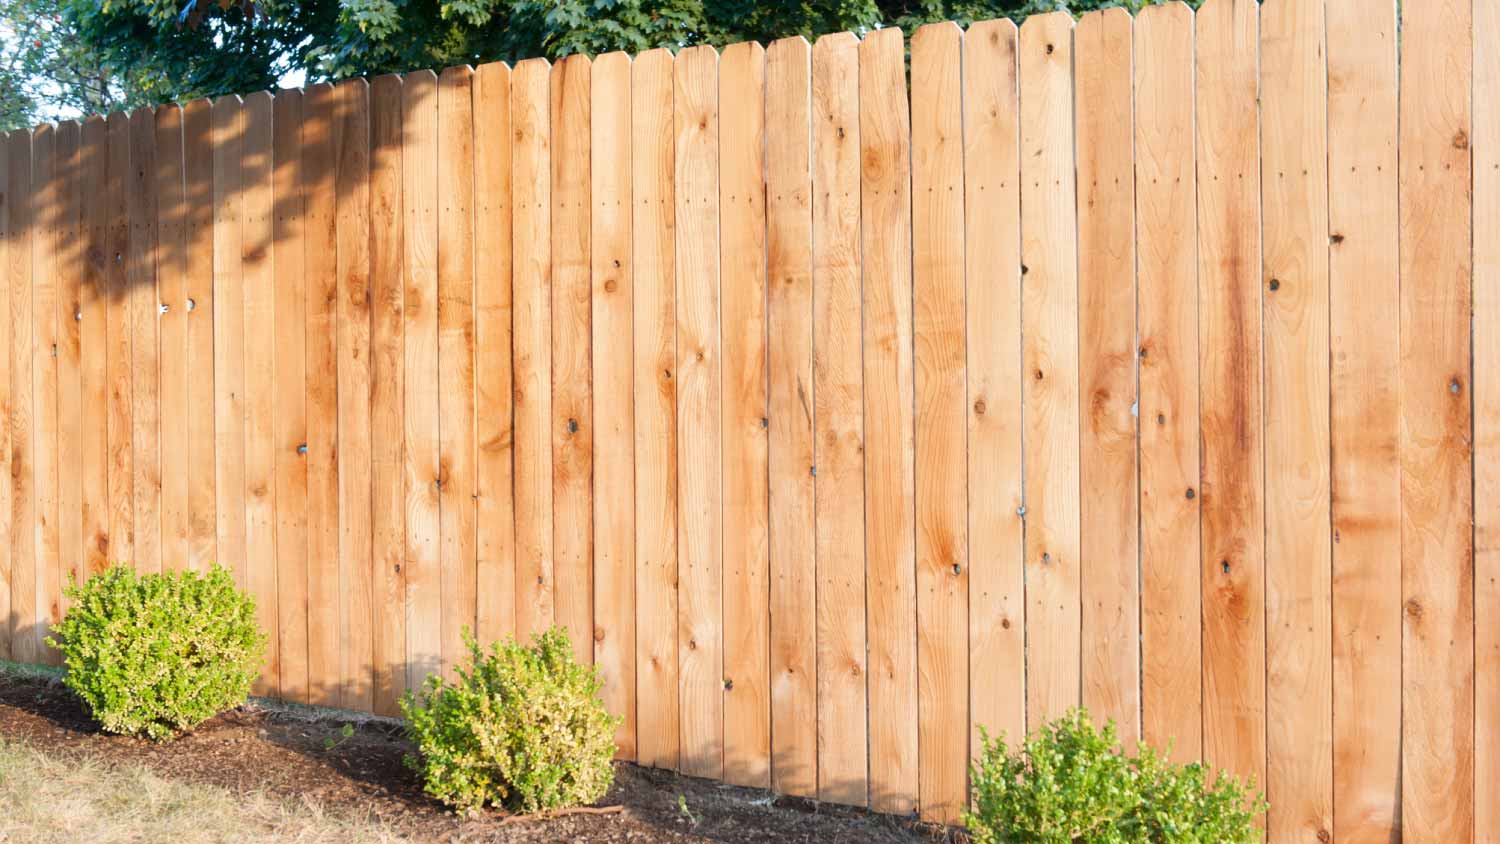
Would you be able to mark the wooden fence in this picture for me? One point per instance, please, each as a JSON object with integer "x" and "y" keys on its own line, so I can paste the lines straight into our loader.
{"x": 1150, "y": 364}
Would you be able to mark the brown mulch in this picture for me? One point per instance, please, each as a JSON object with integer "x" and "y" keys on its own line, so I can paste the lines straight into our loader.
{"x": 287, "y": 754}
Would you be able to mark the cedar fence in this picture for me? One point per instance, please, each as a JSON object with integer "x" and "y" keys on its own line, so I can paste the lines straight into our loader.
{"x": 1151, "y": 364}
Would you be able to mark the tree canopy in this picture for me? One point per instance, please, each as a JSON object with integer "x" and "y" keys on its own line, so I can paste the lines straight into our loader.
{"x": 151, "y": 51}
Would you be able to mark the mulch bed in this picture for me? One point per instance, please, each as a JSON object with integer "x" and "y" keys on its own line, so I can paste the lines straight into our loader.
{"x": 286, "y": 754}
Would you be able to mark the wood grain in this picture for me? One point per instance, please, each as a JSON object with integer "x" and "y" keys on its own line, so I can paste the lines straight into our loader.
{"x": 172, "y": 269}
{"x": 198, "y": 303}
{"x": 145, "y": 358}
{"x": 93, "y": 460}
{"x": 45, "y": 293}
{"x": 25, "y": 646}
{"x": 117, "y": 365}
{"x": 229, "y": 343}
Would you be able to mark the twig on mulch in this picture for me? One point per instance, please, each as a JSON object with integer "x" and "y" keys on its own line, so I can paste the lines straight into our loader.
{"x": 557, "y": 813}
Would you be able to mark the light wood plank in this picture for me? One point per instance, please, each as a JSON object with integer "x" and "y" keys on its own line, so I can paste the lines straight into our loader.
{"x": 653, "y": 270}
{"x": 320, "y": 143}
{"x": 93, "y": 460}
{"x": 1438, "y": 783}
{"x": 419, "y": 198}
{"x": 198, "y": 176}
{"x": 140, "y": 272}
{"x": 387, "y": 394}
{"x": 614, "y": 404}
{"x": 1299, "y": 649}
{"x": 290, "y": 398}
{"x": 890, "y": 543}
{"x": 455, "y": 302}
{"x": 229, "y": 338}
{"x": 171, "y": 279}
{"x": 46, "y": 196}
{"x": 699, "y": 406}
{"x": 793, "y": 466}
{"x": 1232, "y": 560}
{"x": 1364, "y": 290}
{"x": 942, "y": 419}
{"x": 496, "y": 606}
{"x": 7, "y": 284}
{"x": 69, "y": 259}
{"x": 748, "y": 664}
{"x": 1049, "y": 306}
{"x": 355, "y": 579}
{"x": 572, "y": 419}
{"x": 25, "y": 646}
{"x": 838, "y": 402}
{"x": 532, "y": 351}
{"x": 117, "y": 315}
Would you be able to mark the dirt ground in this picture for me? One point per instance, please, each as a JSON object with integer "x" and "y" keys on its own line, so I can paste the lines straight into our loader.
{"x": 288, "y": 753}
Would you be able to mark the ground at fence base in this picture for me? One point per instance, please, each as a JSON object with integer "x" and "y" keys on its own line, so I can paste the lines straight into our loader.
{"x": 294, "y": 752}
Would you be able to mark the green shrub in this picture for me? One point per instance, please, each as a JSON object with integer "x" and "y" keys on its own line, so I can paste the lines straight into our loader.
{"x": 156, "y": 654}
{"x": 1071, "y": 783}
{"x": 521, "y": 728}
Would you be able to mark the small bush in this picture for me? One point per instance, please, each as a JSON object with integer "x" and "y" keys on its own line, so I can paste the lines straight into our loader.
{"x": 521, "y": 728}
{"x": 156, "y": 654}
{"x": 1071, "y": 783}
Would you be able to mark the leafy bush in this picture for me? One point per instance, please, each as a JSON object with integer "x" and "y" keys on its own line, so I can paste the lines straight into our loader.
{"x": 521, "y": 728}
{"x": 156, "y": 654}
{"x": 1071, "y": 783}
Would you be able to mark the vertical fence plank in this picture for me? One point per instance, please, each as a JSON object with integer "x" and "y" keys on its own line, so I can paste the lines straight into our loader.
{"x": 69, "y": 269}
{"x": 571, "y": 422}
{"x": 1299, "y": 649}
{"x": 24, "y": 643}
{"x": 614, "y": 446}
{"x": 496, "y": 598}
{"x": 699, "y": 523}
{"x": 532, "y": 298}
{"x": 1049, "y": 305}
{"x": 1169, "y": 383}
{"x": 455, "y": 302}
{"x": 320, "y": 273}
{"x": 257, "y": 212}
{"x": 289, "y": 403}
{"x": 838, "y": 413}
{"x": 742, "y": 256}
{"x": 198, "y": 290}
{"x": 140, "y": 272}
{"x": 93, "y": 459}
{"x": 352, "y": 192}
{"x": 121, "y": 474}
{"x": 654, "y": 330}
{"x": 7, "y": 284}
{"x": 387, "y": 393}
{"x": 1232, "y": 563}
{"x": 885, "y": 222}
{"x": 419, "y": 198}
{"x": 1437, "y": 712}
{"x": 229, "y": 340}
{"x": 46, "y": 200}
{"x": 1364, "y": 290}
{"x": 1486, "y": 332}
{"x": 1108, "y": 472}
{"x": 171, "y": 281}
{"x": 792, "y": 465}
{"x": 941, "y": 441}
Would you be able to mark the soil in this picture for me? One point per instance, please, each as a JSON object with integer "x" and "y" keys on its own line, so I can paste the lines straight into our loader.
{"x": 291, "y": 754}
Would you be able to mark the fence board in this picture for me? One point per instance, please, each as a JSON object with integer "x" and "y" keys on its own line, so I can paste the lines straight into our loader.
{"x": 140, "y": 276}
{"x": 790, "y": 417}
{"x": 419, "y": 198}
{"x": 259, "y": 292}
{"x": 653, "y": 266}
{"x": 198, "y": 179}
{"x": 172, "y": 267}
{"x": 69, "y": 270}
{"x": 572, "y": 423}
{"x": 289, "y": 402}
{"x": 531, "y": 228}
{"x": 699, "y": 405}
{"x": 229, "y": 339}
{"x": 838, "y": 413}
{"x": 93, "y": 459}
{"x": 614, "y": 635}
{"x": 1169, "y": 384}
{"x": 44, "y": 441}
{"x": 7, "y": 285}
{"x": 1298, "y": 541}
{"x": 387, "y": 392}
{"x": 117, "y": 364}
{"x": 1109, "y": 544}
{"x": 1438, "y": 786}
{"x": 25, "y": 646}
{"x": 742, "y": 257}
{"x": 1232, "y": 563}
{"x": 352, "y": 227}
{"x": 890, "y": 543}
{"x": 1364, "y": 290}
{"x": 320, "y": 273}
{"x": 1049, "y": 304}
{"x": 496, "y": 548}
{"x": 455, "y": 304}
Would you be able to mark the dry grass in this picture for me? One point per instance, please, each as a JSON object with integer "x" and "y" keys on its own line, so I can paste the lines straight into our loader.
{"x": 55, "y": 798}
